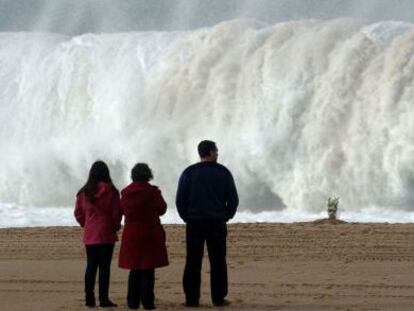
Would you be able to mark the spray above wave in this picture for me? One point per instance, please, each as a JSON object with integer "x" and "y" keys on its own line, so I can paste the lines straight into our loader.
{"x": 300, "y": 111}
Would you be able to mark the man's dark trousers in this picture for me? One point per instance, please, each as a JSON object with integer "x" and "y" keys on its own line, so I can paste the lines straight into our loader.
{"x": 214, "y": 232}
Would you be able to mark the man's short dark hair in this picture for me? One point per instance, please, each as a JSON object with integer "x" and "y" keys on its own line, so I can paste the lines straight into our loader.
{"x": 205, "y": 147}
{"x": 141, "y": 172}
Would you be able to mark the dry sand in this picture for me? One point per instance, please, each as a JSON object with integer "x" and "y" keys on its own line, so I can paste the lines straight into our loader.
{"x": 302, "y": 266}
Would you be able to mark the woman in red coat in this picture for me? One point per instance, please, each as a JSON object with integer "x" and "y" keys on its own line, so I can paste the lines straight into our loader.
{"x": 99, "y": 214}
{"x": 143, "y": 240}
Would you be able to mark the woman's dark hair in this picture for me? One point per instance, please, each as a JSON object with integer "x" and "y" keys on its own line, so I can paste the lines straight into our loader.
{"x": 141, "y": 172}
{"x": 205, "y": 147}
{"x": 99, "y": 172}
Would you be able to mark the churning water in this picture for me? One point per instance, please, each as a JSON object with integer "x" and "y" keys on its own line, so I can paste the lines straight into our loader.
{"x": 300, "y": 110}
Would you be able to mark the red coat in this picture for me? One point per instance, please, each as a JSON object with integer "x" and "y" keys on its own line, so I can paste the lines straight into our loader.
{"x": 102, "y": 219}
{"x": 143, "y": 239}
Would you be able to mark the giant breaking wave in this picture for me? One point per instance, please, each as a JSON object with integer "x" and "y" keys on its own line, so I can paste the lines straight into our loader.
{"x": 300, "y": 110}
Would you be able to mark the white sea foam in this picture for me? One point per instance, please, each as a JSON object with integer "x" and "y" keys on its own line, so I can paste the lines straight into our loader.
{"x": 300, "y": 110}
{"x": 26, "y": 216}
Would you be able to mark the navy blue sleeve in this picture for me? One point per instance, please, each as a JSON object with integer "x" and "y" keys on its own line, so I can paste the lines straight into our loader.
{"x": 232, "y": 198}
{"x": 182, "y": 197}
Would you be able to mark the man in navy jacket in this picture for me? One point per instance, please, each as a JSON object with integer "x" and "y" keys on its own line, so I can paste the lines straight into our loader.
{"x": 206, "y": 199}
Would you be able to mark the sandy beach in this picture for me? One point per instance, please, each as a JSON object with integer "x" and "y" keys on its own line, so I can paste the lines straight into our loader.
{"x": 301, "y": 266}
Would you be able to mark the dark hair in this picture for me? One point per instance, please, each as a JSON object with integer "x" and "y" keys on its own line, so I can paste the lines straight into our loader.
{"x": 99, "y": 172}
{"x": 205, "y": 147}
{"x": 141, "y": 172}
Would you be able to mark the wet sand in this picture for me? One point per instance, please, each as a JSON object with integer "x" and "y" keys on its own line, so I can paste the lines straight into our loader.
{"x": 301, "y": 266}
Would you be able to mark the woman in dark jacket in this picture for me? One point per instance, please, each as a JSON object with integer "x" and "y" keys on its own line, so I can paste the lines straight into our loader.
{"x": 143, "y": 240}
{"x": 98, "y": 212}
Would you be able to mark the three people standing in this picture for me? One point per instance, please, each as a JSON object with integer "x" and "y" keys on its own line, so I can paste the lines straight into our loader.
{"x": 206, "y": 199}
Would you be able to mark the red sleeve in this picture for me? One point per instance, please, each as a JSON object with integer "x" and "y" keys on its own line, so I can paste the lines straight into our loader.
{"x": 79, "y": 211}
{"x": 160, "y": 204}
{"x": 116, "y": 211}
